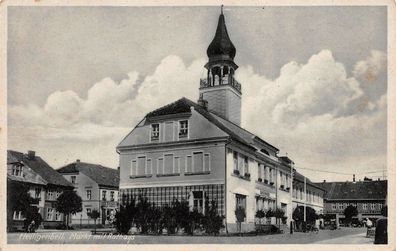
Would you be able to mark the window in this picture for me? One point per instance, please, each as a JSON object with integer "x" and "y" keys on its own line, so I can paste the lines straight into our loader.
{"x": 37, "y": 193}
{"x": 198, "y": 162}
{"x": 50, "y": 194}
{"x": 207, "y": 162}
{"x": 104, "y": 195}
{"x": 73, "y": 179}
{"x": 17, "y": 215}
{"x": 364, "y": 206}
{"x": 50, "y": 212}
{"x": 155, "y": 133}
{"x": 141, "y": 165}
{"x": 372, "y": 206}
{"x": 89, "y": 194}
{"x": 246, "y": 164}
{"x": 240, "y": 201}
{"x": 333, "y": 206}
{"x": 89, "y": 212}
{"x": 198, "y": 201}
{"x": 111, "y": 195}
{"x": 183, "y": 129}
{"x": 134, "y": 167}
{"x": 189, "y": 164}
{"x": 149, "y": 167}
{"x": 235, "y": 156}
{"x": 57, "y": 194}
{"x": 168, "y": 163}
{"x": 17, "y": 170}
{"x": 270, "y": 172}
{"x": 160, "y": 166}
{"x": 380, "y": 206}
{"x": 57, "y": 216}
{"x": 177, "y": 165}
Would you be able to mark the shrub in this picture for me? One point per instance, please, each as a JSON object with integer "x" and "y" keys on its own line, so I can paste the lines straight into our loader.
{"x": 212, "y": 221}
{"x": 125, "y": 216}
{"x": 269, "y": 213}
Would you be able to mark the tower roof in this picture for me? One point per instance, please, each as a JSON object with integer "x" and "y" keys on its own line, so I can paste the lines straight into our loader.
{"x": 221, "y": 47}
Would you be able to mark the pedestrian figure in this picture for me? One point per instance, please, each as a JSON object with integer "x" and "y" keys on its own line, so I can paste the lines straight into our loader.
{"x": 31, "y": 227}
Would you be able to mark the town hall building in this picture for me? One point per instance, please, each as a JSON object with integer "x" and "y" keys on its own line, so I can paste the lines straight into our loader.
{"x": 199, "y": 151}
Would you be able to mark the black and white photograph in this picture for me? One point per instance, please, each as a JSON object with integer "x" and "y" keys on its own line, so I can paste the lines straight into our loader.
{"x": 186, "y": 123}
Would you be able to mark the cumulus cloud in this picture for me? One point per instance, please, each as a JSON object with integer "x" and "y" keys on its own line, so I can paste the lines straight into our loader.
{"x": 316, "y": 111}
{"x": 319, "y": 113}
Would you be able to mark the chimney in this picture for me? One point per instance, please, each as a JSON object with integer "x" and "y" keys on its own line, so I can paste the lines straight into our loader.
{"x": 31, "y": 155}
{"x": 78, "y": 160}
{"x": 324, "y": 181}
{"x": 202, "y": 102}
{"x": 118, "y": 168}
{"x": 354, "y": 178}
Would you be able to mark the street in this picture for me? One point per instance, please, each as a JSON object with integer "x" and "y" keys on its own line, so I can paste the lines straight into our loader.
{"x": 340, "y": 236}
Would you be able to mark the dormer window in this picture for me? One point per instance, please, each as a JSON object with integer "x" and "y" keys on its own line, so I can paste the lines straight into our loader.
{"x": 183, "y": 129}
{"x": 17, "y": 170}
{"x": 155, "y": 132}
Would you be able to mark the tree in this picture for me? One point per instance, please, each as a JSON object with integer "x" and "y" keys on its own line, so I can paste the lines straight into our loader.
{"x": 94, "y": 214}
{"x": 279, "y": 214}
{"x": 349, "y": 212}
{"x": 240, "y": 217}
{"x": 298, "y": 214}
{"x": 260, "y": 214}
{"x": 126, "y": 215}
{"x": 143, "y": 217}
{"x": 19, "y": 199}
{"x": 212, "y": 221}
{"x": 68, "y": 203}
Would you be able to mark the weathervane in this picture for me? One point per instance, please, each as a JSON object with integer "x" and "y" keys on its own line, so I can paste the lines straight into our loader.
{"x": 222, "y": 9}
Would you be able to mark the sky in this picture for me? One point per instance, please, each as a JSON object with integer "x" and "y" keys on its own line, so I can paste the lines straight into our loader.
{"x": 313, "y": 79}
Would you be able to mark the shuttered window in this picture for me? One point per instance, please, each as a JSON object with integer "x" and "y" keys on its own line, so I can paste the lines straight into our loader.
{"x": 207, "y": 162}
{"x": 189, "y": 164}
{"x": 168, "y": 164}
{"x": 133, "y": 167}
{"x": 160, "y": 166}
{"x": 177, "y": 165}
{"x": 141, "y": 165}
{"x": 198, "y": 162}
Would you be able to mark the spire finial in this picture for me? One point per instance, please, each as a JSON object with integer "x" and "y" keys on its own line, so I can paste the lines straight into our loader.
{"x": 222, "y": 9}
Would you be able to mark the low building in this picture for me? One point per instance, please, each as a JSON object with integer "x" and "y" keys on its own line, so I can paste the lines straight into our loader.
{"x": 368, "y": 196}
{"x": 97, "y": 186}
{"x": 44, "y": 184}
{"x": 307, "y": 193}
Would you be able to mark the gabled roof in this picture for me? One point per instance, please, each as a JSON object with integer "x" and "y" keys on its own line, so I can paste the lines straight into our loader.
{"x": 104, "y": 176}
{"x": 236, "y": 132}
{"x": 39, "y": 166}
{"x": 355, "y": 190}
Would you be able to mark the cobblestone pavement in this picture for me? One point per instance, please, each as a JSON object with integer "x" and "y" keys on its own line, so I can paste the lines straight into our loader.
{"x": 340, "y": 236}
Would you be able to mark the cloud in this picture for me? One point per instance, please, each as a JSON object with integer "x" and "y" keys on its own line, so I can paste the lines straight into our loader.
{"x": 107, "y": 113}
{"x": 317, "y": 112}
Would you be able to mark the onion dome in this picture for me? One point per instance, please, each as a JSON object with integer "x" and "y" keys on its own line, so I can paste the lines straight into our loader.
{"x": 221, "y": 47}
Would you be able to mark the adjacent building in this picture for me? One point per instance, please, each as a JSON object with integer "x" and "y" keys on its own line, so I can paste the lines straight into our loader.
{"x": 199, "y": 151}
{"x": 44, "y": 183}
{"x": 97, "y": 186}
{"x": 307, "y": 193}
{"x": 369, "y": 196}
